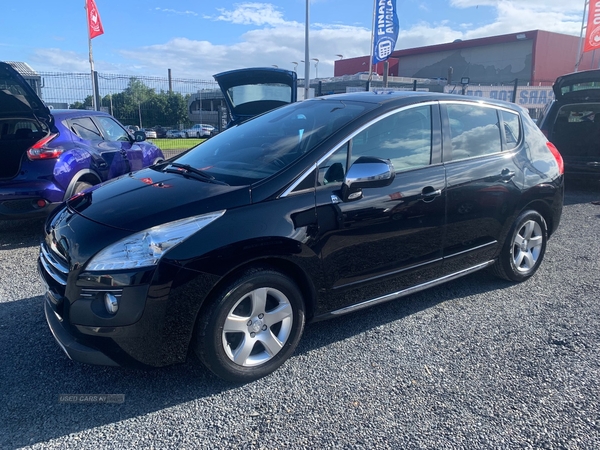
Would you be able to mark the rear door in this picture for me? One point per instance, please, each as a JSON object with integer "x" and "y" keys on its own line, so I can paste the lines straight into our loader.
{"x": 483, "y": 179}
{"x": 107, "y": 160}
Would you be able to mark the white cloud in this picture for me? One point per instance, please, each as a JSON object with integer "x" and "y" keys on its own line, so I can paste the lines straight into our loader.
{"x": 535, "y": 5}
{"x": 174, "y": 11}
{"x": 252, "y": 14}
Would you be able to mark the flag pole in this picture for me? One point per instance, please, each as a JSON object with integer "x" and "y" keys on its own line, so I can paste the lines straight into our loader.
{"x": 372, "y": 40}
{"x": 581, "y": 36}
{"x": 91, "y": 58}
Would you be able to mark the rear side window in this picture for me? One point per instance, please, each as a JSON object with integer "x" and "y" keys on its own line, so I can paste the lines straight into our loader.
{"x": 474, "y": 131}
{"x": 85, "y": 129}
{"x": 512, "y": 129}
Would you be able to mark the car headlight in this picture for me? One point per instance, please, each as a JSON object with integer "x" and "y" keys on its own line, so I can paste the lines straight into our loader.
{"x": 144, "y": 249}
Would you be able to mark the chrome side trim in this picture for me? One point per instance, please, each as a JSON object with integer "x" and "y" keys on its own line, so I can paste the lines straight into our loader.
{"x": 411, "y": 290}
{"x": 479, "y": 247}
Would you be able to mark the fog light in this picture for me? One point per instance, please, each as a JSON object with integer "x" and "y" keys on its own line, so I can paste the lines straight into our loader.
{"x": 111, "y": 303}
{"x": 41, "y": 203}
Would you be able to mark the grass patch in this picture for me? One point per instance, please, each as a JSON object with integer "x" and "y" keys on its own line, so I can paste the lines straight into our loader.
{"x": 176, "y": 144}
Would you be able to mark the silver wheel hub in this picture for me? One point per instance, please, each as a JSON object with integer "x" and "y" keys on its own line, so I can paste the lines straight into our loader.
{"x": 527, "y": 246}
{"x": 257, "y": 327}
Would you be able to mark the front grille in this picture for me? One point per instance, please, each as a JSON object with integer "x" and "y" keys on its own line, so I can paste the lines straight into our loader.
{"x": 54, "y": 265}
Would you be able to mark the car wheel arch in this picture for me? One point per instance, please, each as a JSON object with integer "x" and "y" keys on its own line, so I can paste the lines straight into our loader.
{"x": 86, "y": 176}
{"x": 544, "y": 210}
{"x": 276, "y": 264}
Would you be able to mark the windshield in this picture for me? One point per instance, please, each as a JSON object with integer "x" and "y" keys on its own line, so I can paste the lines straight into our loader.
{"x": 257, "y": 149}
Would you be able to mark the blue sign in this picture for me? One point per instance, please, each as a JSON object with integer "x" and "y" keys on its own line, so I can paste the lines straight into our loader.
{"x": 386, "y": 29}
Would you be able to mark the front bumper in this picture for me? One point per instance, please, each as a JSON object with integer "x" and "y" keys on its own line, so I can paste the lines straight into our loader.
{"x": 74, "y": 350}
{"x": 156, "y": 330}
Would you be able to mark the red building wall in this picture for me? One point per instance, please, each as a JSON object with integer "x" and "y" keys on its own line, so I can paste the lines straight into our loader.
{"x": 553, "y": 54}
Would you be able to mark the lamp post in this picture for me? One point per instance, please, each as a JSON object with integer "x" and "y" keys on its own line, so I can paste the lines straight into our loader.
{"x": 295, "y": 63}
{"x": 316, "y": 67}
{"x": 340, "y": 56}
{"x": 306, "y": 53}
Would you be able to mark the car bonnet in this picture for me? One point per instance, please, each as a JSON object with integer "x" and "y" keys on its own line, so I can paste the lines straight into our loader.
{"x": 149, "y": 197}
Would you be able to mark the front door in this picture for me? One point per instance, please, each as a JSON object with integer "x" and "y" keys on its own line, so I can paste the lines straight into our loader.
{"x": 117, "y": 139}
{"x": 390, "y": 233}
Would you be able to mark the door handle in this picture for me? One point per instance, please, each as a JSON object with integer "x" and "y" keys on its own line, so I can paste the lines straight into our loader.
{"x": 428, "y": 194}
{"x": 507, "y": 174}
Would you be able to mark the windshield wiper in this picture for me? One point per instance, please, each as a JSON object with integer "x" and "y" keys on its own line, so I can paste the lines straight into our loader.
{"x": 187, "y": 170}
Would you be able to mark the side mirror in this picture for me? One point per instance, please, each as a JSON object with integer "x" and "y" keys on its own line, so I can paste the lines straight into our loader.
{"x": 367, "y": 172}
{"x": 139, "y": 136}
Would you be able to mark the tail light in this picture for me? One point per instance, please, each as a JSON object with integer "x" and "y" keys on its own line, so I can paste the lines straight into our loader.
{"x": 41, "y": 150}
{"x": 557, "y": 156}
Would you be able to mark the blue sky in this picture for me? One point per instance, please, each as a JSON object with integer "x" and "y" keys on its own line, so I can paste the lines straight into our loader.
{"x": 198, "y": 38}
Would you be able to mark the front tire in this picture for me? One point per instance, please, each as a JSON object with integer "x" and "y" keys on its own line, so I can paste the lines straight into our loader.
{"x": 252, "y": 327}
{"x": 524, "y": 248}
{"x": 81, "y": 186}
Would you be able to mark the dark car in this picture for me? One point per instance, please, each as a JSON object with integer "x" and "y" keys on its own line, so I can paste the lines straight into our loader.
{"x": 307, "y": 212}
{"x": 48, "y": 155}
{"x": 253, "y": 91}
{"x": 572, "y": 122}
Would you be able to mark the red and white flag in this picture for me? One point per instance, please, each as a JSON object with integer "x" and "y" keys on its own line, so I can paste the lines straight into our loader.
{"x": 94, "y": 22}
{"x": 592, "y": 32}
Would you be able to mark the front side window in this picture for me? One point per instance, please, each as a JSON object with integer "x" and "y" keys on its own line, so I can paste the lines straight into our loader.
{"x": 474, "y": 131}
{"x": 111, "y": 129}
{"x": 404, "y": 138}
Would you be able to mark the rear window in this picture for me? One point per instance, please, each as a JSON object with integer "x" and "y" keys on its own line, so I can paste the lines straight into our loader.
{"x": 249, "y": 93}
{"x": 580, "y": 87}
{"x": 576, "y": 124}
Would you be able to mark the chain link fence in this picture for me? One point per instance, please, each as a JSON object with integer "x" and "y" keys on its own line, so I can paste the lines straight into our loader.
{"x": 166, "y": 103}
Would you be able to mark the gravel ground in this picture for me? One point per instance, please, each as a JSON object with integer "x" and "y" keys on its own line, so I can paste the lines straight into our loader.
{"x": 476, "y": 363}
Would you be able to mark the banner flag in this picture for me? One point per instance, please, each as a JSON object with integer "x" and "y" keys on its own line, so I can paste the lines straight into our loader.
{"x": 94, "y": 23}
{"x": 385, "y": 30}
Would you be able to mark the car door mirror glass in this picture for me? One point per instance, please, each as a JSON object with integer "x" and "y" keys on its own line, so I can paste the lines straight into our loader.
{"x": 139, "y": 136}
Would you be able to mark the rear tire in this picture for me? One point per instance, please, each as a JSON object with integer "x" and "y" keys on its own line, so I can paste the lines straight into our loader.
{"x": 252, "y": 326}
{"x": 524, "y": 248}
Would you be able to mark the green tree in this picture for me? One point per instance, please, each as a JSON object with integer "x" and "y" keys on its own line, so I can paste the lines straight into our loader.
{"x": 87, "y": 104}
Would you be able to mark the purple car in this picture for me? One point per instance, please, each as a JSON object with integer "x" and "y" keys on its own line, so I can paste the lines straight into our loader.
{"x": 48, "y": 156}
